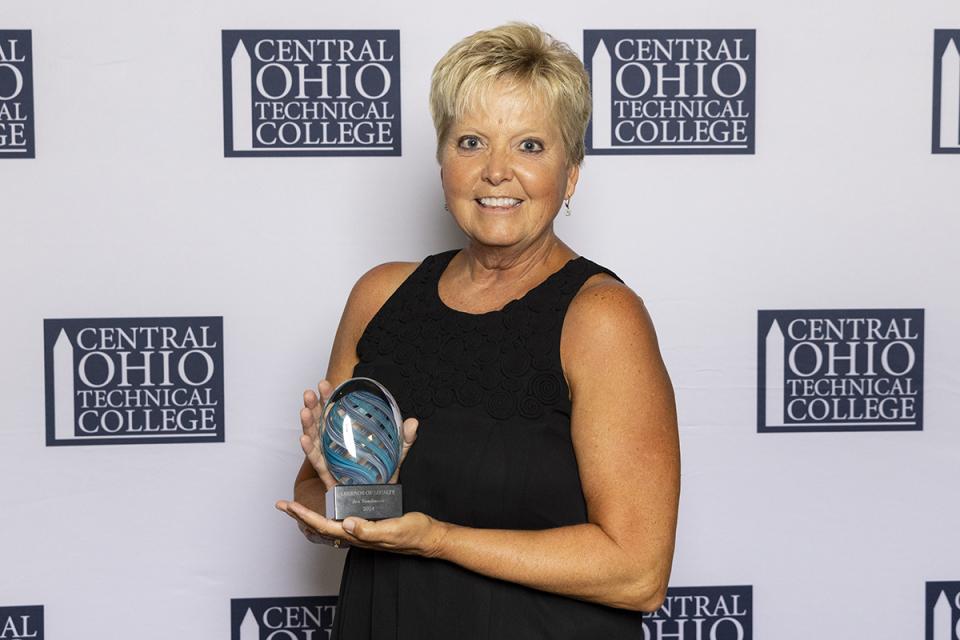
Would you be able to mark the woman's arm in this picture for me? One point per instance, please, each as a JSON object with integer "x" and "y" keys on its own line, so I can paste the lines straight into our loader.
{"x": 624, "y": 431}
{"x": 624, "y": 434}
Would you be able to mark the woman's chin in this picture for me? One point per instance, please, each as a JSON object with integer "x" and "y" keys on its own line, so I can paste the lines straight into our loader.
{"x": 501, "y": 239}
{"x": 500, "y": 230}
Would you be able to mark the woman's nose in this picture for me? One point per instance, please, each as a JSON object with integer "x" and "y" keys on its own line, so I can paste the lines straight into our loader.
{"x": 497, "y": 168}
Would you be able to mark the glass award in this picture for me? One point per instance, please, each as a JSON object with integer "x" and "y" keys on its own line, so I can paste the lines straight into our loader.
{"x": 361, "y": 440}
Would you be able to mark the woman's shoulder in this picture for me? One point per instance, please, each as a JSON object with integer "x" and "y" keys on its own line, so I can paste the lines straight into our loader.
{"x": 607, "y": 310}
{"x": 605, "y": 295}
{"x": 383, "y": 280}
{"x": 602, "y": 291}
{"x": 387, "y": 276}
{"x": 376, "y": 286}
{"x": 608, "y": 334}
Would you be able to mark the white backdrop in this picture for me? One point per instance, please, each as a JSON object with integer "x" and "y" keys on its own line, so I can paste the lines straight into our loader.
{"x": 130, "y": 210}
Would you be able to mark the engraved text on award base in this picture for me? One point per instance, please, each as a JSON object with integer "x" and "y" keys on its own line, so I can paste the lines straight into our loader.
{"x": 368, "y": 501}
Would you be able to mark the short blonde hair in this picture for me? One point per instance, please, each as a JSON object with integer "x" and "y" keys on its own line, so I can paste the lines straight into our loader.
{"x": 523, "y": 54}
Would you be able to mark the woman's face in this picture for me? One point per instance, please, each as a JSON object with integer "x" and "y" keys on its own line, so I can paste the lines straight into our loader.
{"x": 504, "y": 169}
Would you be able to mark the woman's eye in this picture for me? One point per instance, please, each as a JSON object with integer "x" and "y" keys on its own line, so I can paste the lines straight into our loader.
{"x": 469, "y": 142}
{"x": 531, "y": 146}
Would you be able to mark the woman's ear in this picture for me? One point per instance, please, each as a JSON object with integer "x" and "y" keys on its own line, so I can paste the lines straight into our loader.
{"x": 573, "y": 174}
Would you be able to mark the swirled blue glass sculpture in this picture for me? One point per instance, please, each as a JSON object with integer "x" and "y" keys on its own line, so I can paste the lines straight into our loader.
{"x": 361, "y": 433}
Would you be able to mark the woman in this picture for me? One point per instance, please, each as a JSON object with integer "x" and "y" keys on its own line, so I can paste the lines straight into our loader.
{"x": 541, "y": 492}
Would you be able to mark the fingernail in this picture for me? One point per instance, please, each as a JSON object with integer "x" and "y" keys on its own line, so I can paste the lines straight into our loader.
{"x": 349, "y": 525}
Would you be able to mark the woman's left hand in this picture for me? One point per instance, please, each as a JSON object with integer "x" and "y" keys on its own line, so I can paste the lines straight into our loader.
{"x": 412, "y": 533}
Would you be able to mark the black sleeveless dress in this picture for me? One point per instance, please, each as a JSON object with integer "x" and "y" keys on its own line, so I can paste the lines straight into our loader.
{"x": 493, "y": 450}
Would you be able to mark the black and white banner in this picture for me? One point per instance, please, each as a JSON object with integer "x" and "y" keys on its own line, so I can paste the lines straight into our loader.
{"x": 311, "y": 93}
{"x": 673, "y": 91}
{"x": 134, "y": 380}
{"x": 17, "y": 139}
{"x": 840, "y": 370}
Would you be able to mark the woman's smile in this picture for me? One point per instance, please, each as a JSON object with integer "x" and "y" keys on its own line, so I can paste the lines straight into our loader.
{"x": 498, "y": 204}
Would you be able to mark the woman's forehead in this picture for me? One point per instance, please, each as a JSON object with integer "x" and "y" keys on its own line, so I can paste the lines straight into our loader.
{"x": 520, "y": 101}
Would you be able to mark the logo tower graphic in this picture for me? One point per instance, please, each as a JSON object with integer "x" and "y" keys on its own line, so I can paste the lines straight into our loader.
{"x": 242, "y": 99}
{"x": 946, "y": 91}
{"x": 249, "y": 628}
{"x": 65, "y": 415}
{"x": 601, "y": 126}
{"x": 774, "y": 382}
{"x": 943, "y": 611}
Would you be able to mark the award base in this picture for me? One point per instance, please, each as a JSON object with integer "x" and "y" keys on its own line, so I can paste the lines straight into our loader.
{"x": 367, "y": 501}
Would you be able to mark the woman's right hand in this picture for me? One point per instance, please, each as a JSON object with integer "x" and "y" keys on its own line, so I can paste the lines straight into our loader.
{"x": 310, "y": 415}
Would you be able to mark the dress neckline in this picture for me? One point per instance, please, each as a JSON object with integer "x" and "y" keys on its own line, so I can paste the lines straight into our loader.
{"x": 442, "y": 267}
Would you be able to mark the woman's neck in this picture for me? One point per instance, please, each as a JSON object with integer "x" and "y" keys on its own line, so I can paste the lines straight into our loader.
{"x": 489, "y": 265}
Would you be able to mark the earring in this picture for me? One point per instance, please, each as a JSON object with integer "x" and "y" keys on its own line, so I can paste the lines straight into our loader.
{"x": 566, "y": 204}
{"x": 445, "y": 207}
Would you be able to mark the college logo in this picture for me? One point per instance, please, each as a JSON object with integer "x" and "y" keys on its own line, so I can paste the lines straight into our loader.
{"x": 946, "y": 91}
{"x": 311, "y": 93}
{"x": 21, "y": 623}
{"x": 16, "y": 94}
{"x": 943, "y": 611}
{"x": 702, "y": 613}
{"x": 305, "y": 618}
{"x": 840, "y": 370}
{"x": 134, "y": 380}
{"x": 677, "y": 91}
